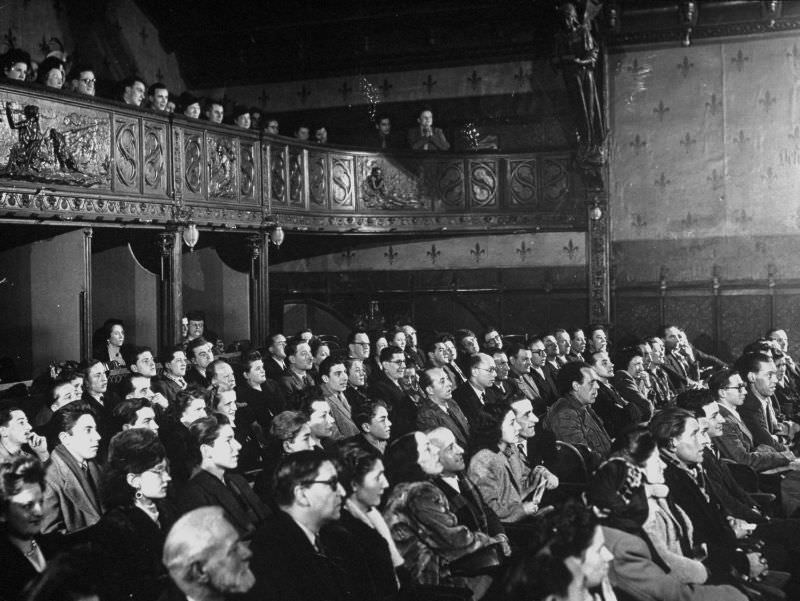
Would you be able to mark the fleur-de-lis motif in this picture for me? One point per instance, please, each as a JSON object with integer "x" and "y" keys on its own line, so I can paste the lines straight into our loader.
{"x": 714, "y": 105}
{"x": 716, "y": 179}
{"x": 769, "y": 176}
{"x": 433, "y": 254}
{"x": 10, "y": 39}
{"x": 767, "y": 101}
{"x": 348, "y": 256}
{"x": 429, "y": 83}
{"x": 303, "y": 94}
{"x": 634, "y": 67}
{"x": 391, "y": 255}
{"x": 661, "y": 110}
{"x": 685, "y": 66}
{"x": 477, "y": 252}
{"x": 571, "y": 249}
{"x": 739, "y": 60}
{"x": 474, "y": 80}
{"x": 794, "y": 55}
{"x": 523, "y": 251}
{"x": 638, "y": 144}
{"x": 638, "y": 221}
{"x": 386, "y": 87}
{"x": 520, "y": 76}
{"x": 345, "y": 90}
{"x": 741, "y": 140}
{"x": 662, "y": 182}
{"x": 689, "y": 221}
{"x": 687, "y": 142}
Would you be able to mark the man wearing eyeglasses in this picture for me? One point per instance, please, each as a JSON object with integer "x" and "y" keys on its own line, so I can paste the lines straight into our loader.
{"x": 544, "y": 380}
{"x": 81, "y": 80}
{"x": 476, "y": 393}
{"x": 294, "y": 556}
{"x": 386, "y": 387}
{"x": 358, "y": 346}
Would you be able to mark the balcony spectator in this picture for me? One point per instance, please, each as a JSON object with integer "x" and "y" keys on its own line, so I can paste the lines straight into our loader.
{"x": 426, "y": 137}
{"x": 16, "y": 64}
{"x": 241, "y": 116}
{"x": 189, "y": 106}
{"x": 383, "y": 137}
{"x": 255, "y": 118}
{"x": 158, "y": 97}
{"x": 321, "y": 135}
{"x": 273, "y": 127}
{"x": 51, "y": 73}
{"x": 133, "y": 90}
{"x": 81, "y": 80}
{"x": 302, "y": 132}
{"x": 214, "y": 112}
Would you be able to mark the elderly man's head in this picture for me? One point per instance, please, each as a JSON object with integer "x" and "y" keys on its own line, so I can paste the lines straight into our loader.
{"x": 206, "y": 557}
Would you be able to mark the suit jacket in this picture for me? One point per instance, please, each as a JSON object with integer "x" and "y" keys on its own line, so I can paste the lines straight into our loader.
{"x": 71, "y": 500}
{"x": 501, "y": 391}
{"x": 293, "y": 384}
{"x": 273, "y": 369}
{"x": 195, "y": 377}
{"x": 377, "y": 140}
{"x": 469, "y": 507}
{"x": 402, "y": 410}
{"x": 341, "y": 412}
{"x": 492, "y": 474}
{"x": 416, "y": 356}
{"x": 616, "y": 412}
{"x": 288, "y": 568}
{"x": 546, "y": 385}
{"x": 435, "y": 142}
{"x": 570, "y": 421}
{"x": 262, "y": 404}
{"x": 456, "y": 377}
{"x": 178, "y": 444}
{"x": 733, "y": 497}
{"x": 468, "y": 400}
{"x": 430, "y": 416}
{"x": 628, "y": 390}
{"x": 243, "y": 508}
{"x": 677, "y": 369}
{"x": 634, "y": 572}
{"x": 527, "y": 386}
{"x": 736, "y": 444}
{"x": 752, "y": 415}
{"x": 168, "y": 387}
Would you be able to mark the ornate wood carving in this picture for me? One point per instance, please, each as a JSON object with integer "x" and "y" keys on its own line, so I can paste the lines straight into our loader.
{"x": 296, "y": 177}
{"x": 317, "y": 180}
{"x": 449, "y": 184}
{"x": 126, "y": 134}
{"x": 193, "y": 163}
{"x": 222, "y": 166}
{"x": 155, "y": 176}
{"x": 522, "y": 183}
{"x": 343, "y": 182}
{"x": 278, "y": 174}
{"x": 247, "y": 178}
{"x": 599, "y": 276}
{"x": 483, "y": 184}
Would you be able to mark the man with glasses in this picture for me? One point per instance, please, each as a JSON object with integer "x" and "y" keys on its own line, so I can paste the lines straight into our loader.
{"x": 294, "y": 555}
{"x": 476, "y": 393}
{"x": 81, "y": 80}
{"x": 492, "y": 340}
{"x": 386, "y": 387}
{"x": 545, "y": 381}
{"x": 358, "y": 347}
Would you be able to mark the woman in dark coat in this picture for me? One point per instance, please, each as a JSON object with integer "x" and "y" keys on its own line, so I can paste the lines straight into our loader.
{"x": 131, "y": 534}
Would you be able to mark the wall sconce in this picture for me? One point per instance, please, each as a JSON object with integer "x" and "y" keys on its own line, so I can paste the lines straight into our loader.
{"x": 595, "y": 213}
{"x": 277, "y": 235}
{"x": 191, "y": 235}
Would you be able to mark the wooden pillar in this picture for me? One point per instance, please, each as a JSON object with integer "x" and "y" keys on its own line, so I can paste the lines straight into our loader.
{"x": 599, "y": 258}
{"x": 259, "y": 288}
{"x": 170, "y": 287}
{"x": 86, "y": 296}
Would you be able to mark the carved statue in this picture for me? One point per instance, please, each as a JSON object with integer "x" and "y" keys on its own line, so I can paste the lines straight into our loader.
{"x": 576, "y": 53}
{"x": 31, "y": 152}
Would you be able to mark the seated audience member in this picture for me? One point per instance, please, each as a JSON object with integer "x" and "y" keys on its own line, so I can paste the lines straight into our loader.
{"x": 23, "y": 551}
{"x": 466, "y": 501}
{"x": 409, "y": 382}
{"x": 81, "y": 80}
{"x": 577, "y": 344}
{"x": 319, "y": 352}
{"x": 288, "y": 433}
{"x": 255, "y": 118}
{"x": 438, "y": 409}
{"x": 571, "y": 419}
{"x": 501, "y": 389}
{"x": 320, "y": 419}
{"x": 62, "y": 392}
{"x": 375, "y": 553}
{"x": 757, "y": 411}
{"x": 383, "y": 137}
{"x": 158, "y": 97}
{"x": 306, "y": 335}
{"x": 272, "y": 127}
{"x": 539, "y": 371}
{"x": 427, "y": 534}
{"x": 321, "y": 135}
{"x": 617, "y": 413}
{"x": 533, "y": 447}
{"x": 16, "y": 64}
{"x": 302, "y": 132}
{"x": 173, "y": 377}
{"x": 358, "y": 347}
{"x": 223, "y": 402}
{"x": 97, "y": 395}
{"x": 372, "y": 418}
{"x": 677, "y": 366}
{"x": 196, "y": 327}
{"x": 131, "y": 534}
{"x": 220, "y": 375}
{"x": 492, "y": 340}
{"x": 188, "y": 407}
{"x": 241, "y": 116}
{"x": 373, "y": 364}
{"x": 206, "y": 557}
{"x": 662, "y": 385}
{"x": 137, "y": 386}
{"x": 520, "y": 379}
{"x": 216, "y": 451}
{"x": 70, "y": 575}
{"x": 786, "y": 390}
{"x": 214, "y": 113}
{"x": 51, "y": 73}
{"x": 140, "y": 360}
{"x": 17, "y": 438}
{"x": 564, "y": 343}
{"x": 275, "y": 358}
{"x": 598, "y": 339}
{"x": 628, "y": 381}
{"x": 438, "y": 355}
{"x": 263, "y": 397}
{"x": 495, "y": 437}
{"x": 355, "y": 393}
{"x": 466, "y": 347}
{"x": 542, "y": 577}
{"x": 386, "y": 387}
{"x": 111, "y": 349}
{"x": 135, "y": 413}
{"x": 189, "y": 105}
{"x": 333, "y": 375}
{"x": 475, "y": 396}
{"x": 300, "y": 361}
{"x": 425, "y": 136}
{"x": 71, "y": 497}
{"x": 133, "y": 90}
{"x": 200, "y": 354}
{"x": 414, "y": 354}
{"x": 294, "y": 556}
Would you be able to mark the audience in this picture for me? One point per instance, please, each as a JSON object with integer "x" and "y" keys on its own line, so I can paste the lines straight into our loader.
{"x": 133, "y": 90}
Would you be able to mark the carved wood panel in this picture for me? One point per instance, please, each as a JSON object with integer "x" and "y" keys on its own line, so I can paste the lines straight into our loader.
{"x": 343, "y": 182}
{"x": 743, "y": 319}
{"x": 318, "y": 180}
{"x": 522, "y": 184}
{"x": 635, "y": 317}
{"x": 193, "y": 168}
{"x": 222, "y": 164}
{"x": 248, "y": 172}
{"x": 787, "y": 317}
{"x": 126, "y": 155}
{"x": 483, "y": 184}
{"x": 278, "y": 186}
{"x": 555, "y": 183}
{"x": 155, "y": 154}
{"x": 448, "y": 185}
{"x": 296, "y": 178}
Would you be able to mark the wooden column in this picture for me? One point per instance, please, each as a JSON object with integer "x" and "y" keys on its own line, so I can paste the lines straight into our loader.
{"x": 170, "y": 287}
{"x": 259, "y": 288}
{"x": 86, "y": 296}
{"x": 599, "y": 259}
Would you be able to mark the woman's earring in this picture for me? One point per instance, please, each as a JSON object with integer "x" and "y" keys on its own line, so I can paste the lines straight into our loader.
{"x": 139, "y": 496}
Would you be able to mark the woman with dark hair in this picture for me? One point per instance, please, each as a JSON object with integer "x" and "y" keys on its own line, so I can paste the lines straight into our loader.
{"x": 189, "y": 406}
{"x": 51, "y": 73}
{"x": 362, "y": 475}
{"x": 109, "y": 343}
{"x": 21, "y": 493}
{"x": 216, "y": 452}
{"x": 132, "y": 532}
{"x": 495, "y": 436}
{"x": 263, "y": 397}
{"x": 289, "y": 433}
{"x": 638, "y": 569}
{"x": 426, "y": 532}
{"x": 247, "y": 432}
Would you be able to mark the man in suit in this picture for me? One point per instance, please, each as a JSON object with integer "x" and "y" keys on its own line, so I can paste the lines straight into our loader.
{"x": 438, "y": 408}
{"x": 564, "y": 346}
{"x": 473, "y": 396}
{"x": 333, "y": 374}
{"x": 627, "y": 379}
{"x": 539, "y": 372}
{"x": 383, "y": 138}
{"x": 616, "y": 413}
{"x": 98, "y": 397}
{"x": 72, "y": 482}
{"x": 294, "y": 557}
{"x": 425, "y": 137}
{"x": 205, "y": 556}
{"x": 358, "y": 346}
{"x": 681, "y": 374}
{"x": 200, "y": 353}
{"x": 386, "y": 386}
{"x": 492, "y": 341}
{"x": 519, "y": 359}
{"x": 503, "y": 388}
{"x": 759, "y": 374}
{"x": 412, "y": 350}
{"x": 438, "y": 355}
{"x": 552, "y": 350}
{"x": 533, "y": 447}
{"x": 275, "y": 362}
{"x": 300, "y": 361}
{"x": 372, "y": 418}
{"x": 173, "y": 378}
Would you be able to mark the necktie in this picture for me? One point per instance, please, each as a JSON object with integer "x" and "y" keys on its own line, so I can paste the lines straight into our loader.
{"x": 483, "y": 398}
{"x": 522, "y": 453}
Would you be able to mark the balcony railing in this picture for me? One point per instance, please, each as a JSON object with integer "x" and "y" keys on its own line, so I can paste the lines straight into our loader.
{"x": 76, "y": 158}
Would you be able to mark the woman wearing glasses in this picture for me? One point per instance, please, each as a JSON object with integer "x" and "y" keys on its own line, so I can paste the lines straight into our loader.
{"x": 131, "y": 534}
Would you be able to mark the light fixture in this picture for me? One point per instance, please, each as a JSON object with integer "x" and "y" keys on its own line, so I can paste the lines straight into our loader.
{"x": 191, "y": 235}
{"x": 595, "y": 213}
{"x": 276, "y": 236}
